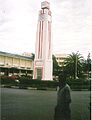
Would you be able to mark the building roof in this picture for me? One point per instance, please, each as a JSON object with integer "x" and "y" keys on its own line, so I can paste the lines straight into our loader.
{"x": 61, "y": 55}
{"x": 15, "y": 55}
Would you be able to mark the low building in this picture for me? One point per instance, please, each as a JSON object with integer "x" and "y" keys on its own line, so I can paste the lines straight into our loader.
{"x": 14, "y": 64}
{"x": 60, "y": 58}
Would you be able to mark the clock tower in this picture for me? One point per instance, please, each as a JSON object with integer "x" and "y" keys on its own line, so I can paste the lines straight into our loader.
{"x": 43, "y": 47}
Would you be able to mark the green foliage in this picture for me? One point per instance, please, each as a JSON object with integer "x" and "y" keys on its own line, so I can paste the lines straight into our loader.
{"x": 33, "y": 56}
{"x": 79, "y": 84}
{"x": 87, "y": 67}
{"x": 73, "y": 65}
{"x": 24, "y": 82}
{"x": 8, "y": 80}
{"x": 56, "y": 68}
{"x": 41, "y": 83}
{"x": 37, "y": 83}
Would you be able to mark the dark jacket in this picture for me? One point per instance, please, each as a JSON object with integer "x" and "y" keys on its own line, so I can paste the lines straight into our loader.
{"x": 63, "y": 96}
{"x": 62, "y": 109}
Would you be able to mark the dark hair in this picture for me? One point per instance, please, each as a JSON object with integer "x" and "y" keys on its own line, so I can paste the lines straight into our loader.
{"x": 62, "y": 78}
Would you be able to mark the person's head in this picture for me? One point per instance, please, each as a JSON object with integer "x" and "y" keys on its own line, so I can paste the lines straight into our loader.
{"x": 62, "y": 79}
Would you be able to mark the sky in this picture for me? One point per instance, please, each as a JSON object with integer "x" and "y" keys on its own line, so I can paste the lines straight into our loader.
{"x": 71, "y": 26}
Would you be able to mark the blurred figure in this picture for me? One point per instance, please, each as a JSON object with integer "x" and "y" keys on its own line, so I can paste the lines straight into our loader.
{"x": 62, "y": 109}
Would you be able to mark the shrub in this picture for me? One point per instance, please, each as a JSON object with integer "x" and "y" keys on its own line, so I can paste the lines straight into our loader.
{"x": 25, "y": 82}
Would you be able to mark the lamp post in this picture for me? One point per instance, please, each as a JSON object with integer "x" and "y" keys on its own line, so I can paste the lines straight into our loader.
{"x": 76, "y": 63}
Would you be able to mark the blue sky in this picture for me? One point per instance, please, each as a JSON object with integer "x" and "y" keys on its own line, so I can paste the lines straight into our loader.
{"x": 71, "y": 25}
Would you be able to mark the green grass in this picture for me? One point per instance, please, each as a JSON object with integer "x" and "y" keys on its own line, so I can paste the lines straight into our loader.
{"x": 19, "y": 104}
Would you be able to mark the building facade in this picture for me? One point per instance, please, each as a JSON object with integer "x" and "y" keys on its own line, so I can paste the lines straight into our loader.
{"x": 60, "y": 58}
{"x": 13, "y": 64}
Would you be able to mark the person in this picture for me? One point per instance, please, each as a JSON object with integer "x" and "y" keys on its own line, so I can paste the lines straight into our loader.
{"x": 62, "y": 109}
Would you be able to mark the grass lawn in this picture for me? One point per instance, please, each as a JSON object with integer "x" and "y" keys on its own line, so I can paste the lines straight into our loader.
{"x": 19, "y": 104}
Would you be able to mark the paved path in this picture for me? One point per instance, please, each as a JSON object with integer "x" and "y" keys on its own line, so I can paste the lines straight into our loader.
{"x": 19, "y": 104}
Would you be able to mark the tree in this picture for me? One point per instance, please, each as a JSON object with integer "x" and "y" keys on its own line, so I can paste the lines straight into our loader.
{"x": 56, "y": 68}
{"x": 73, "y": 65}
{"x": 87, "y": 66}
{"x": 33, "y": 56}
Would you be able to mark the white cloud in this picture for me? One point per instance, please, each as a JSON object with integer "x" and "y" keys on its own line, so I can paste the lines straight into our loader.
{"x": 71, "y": 22}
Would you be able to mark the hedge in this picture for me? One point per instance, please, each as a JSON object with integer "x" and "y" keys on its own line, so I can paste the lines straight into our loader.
{"x": 25, "y": 82}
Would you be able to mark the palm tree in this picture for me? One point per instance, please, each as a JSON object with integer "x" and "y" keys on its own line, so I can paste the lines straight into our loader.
{"x": 73, "y": 65}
